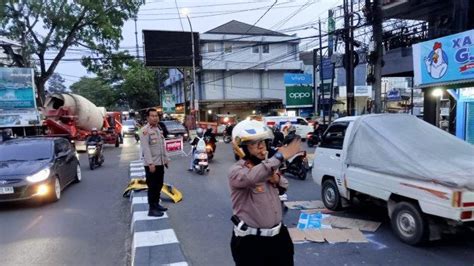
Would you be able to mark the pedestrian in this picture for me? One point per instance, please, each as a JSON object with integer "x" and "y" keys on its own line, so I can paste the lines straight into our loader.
{"x": 152, "y": 143}
{"x": 259, "y": 237}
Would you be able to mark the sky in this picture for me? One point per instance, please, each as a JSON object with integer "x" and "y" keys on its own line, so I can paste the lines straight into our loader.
{"x": 288, "y": 16}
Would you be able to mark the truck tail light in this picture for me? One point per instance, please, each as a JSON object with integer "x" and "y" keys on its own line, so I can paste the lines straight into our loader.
{"x": 466, "y": 215}
{"x": 457, "y": 197}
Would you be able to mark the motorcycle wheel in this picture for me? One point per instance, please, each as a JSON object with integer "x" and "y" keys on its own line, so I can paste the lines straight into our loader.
{"x": 303, "y": 173}
{"x": 92, "y": 163}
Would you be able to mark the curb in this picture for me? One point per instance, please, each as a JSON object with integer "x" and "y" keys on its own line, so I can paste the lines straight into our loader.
{"x": 154, "y": 242}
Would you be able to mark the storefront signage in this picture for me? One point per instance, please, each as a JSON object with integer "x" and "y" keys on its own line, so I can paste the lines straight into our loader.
{"x": 299, "y": 96}
{"x": 447, "y": 59}
{"x": 17, "y": 89}
{"x": 298, "y": 79}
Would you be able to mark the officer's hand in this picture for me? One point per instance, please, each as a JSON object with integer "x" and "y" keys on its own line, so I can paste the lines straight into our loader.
{"x": 291, "y": 149}
{"x": 274, "y": 179}
{"x": 152, "y": 168}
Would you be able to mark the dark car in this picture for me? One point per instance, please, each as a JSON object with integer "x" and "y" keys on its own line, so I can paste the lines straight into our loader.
{"x": 173, "y": 129}
{"x": 37, "y": 168}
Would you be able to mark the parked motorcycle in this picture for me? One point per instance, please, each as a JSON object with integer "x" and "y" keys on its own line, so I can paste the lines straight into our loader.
{"x": 201, "y": 162}
{"x": 94, "y": 152}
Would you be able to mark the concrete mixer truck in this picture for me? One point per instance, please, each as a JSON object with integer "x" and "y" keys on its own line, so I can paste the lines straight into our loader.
{"x": 75, "y": 116}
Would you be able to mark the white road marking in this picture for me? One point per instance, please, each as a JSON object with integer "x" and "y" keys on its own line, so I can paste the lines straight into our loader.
{"x": 139, "y": 174}
{"x": 154, "y": 238}
{"x": 134, "y": 169}
{"x": 177, "y": 264}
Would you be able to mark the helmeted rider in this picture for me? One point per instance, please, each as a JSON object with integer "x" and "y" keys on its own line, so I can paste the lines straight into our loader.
{"x": 200, "y": 135}
{"x": 95, "y": 137}
{"x": 259, "y": 236}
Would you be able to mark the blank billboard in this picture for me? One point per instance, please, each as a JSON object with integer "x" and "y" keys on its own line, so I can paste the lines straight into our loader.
{"x": 170, "y": 48}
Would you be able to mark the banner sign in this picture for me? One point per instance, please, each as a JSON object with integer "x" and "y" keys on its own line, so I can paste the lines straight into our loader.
{"x": 446, "y": 59}
{"x": 298, "y": 79}
{"x": 299, "y": 96}
{"x": 168, "y": 102}
{"x": 19, "y": 118}
{"x": 17, "y": 89}
{"x": 174, "y": 146}
{"x": 327, "y": 68}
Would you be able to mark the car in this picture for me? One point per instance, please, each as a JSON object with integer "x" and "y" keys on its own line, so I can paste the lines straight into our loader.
{"x": 129, "y": 127}
{"x": 37, "y": 168}
{"x": 173, "y": 129}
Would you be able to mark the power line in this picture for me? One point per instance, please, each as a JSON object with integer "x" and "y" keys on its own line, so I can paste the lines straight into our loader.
{"x": 179, "y": 16}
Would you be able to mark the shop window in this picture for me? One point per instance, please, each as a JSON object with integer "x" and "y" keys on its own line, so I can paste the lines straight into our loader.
{"x": 211, "y": 47}
{"x": 255, "y": 49}
{"x": 227, "y": 48}
{"x": 266, "y": 48}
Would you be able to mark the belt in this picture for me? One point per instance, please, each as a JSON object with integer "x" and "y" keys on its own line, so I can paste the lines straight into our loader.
{"x": 241, "y": 229}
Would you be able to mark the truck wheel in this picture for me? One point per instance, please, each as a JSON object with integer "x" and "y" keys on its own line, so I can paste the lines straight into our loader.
{"x": 409, "y": 223}
{"x": 330, "y": 195}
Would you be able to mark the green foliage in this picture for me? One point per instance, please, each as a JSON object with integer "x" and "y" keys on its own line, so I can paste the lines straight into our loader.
{"x": 139, "y": 87}
{"x": 54, "y": 26}
{"x": 96, "y": 91}
{"x": 56, "y": 84}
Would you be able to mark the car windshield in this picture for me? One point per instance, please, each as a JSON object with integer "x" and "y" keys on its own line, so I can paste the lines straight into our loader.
{"x": 25, "y": 151}
{"x": 171, "y": 125}
{"x": 129, "y": 123}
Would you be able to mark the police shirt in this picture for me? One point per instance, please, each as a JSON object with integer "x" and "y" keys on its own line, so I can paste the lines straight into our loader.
{"x": 152, "y": 143}
{"x": 254, "y": 199}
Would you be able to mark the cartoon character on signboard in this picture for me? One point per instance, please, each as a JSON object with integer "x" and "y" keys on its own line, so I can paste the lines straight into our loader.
{"x": 437, "y": 62}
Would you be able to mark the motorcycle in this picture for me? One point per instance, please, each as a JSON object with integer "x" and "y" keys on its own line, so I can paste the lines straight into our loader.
{"x": 93, "y": 151}
{"x": 312, "y": 139}
{"x": 228, "y": 134}
{"x": 201, "y": 163}
{"x": 297, "y": 165}
{"x": 210, "y": 146}
{"x": 137, "y": 135}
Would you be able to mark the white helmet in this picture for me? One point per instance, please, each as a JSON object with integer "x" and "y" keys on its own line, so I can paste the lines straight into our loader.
{"x": 249, "y": 131}
{"x": 199, "y": 131}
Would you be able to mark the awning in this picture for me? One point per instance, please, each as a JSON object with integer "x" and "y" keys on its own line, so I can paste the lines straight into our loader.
{"x": 449, "y": 84}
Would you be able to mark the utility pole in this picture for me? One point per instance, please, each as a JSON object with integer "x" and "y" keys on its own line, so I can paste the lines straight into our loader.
{"x": 136, "y": 36}
{"x": 378, "y": 32}
{"x": 315, "y": 88}
{"x": 321, "y": 76}
{"x": 349, "y": 58}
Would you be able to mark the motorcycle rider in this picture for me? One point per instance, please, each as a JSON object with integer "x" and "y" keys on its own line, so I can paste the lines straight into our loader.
{"x": 259, "y": 236}
{"x": 279, "y": 137}
{"x": 211, "y": 138}
{"x": 95, "y": 137}
{"x": 200, "y": 134}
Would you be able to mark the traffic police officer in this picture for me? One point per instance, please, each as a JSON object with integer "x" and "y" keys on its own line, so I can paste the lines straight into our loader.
{"x": 155, "y": 159}
{"x": 259, "y": 236}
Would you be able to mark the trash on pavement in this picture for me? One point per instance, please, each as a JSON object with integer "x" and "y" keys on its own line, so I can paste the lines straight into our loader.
{"x": 330, "y": 235}
{"x": 305, "y": 205}
{"x": 343, "y": 222}
{"x": 138, "y": 184}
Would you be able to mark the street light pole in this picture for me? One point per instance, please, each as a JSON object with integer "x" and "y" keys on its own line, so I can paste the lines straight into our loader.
{"x": 194, "y": 65}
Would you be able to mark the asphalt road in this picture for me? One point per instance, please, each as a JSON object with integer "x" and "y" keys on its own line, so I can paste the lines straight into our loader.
{"x": 202, "y": 224}
{"x": 89, "y": 225}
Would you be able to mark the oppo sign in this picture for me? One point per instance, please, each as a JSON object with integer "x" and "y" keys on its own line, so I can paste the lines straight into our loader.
{"x": 299, "y": 95}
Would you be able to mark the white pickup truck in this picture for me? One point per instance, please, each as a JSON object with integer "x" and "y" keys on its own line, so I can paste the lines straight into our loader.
{"x": 423, "y": 175}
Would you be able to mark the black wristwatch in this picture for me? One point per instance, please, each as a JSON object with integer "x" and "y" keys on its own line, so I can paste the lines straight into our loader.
{"x": 279, "y": 156}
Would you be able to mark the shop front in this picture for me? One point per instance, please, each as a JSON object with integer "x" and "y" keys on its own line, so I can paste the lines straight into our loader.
{"x": 447, "y": 65}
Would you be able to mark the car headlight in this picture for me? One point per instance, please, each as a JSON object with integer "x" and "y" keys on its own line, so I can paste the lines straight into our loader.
{"x": 40, "y": 176}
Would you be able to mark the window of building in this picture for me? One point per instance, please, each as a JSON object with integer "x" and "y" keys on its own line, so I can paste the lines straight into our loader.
{"x": 211, "y": 47}
{"x": 292, "y": 48}
{"x": 255, "y": 49}
{"x": 266, "y": 48}
{"x": 228, "y": 48}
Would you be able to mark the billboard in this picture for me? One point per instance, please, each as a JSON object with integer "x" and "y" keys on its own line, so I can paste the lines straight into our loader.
{"x": 168, "y": 102}
{"x": 446, "y": 59}
{"x": 299, "y": 92}
{"x": 170, "y": 48}
{"x": 17, "y": 98}
{"x": 17, "y": 89}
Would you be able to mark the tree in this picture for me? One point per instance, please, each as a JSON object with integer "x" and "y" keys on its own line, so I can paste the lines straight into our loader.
{"x": 56, "y": 84}
{"x": 140, "y": 86}
{"x": 54, "y": 26}
{"x": 96, "y": 91}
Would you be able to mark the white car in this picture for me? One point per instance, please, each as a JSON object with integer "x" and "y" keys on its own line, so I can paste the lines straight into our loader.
{"x": 129, "y": 127}
{"x": 421, "y": 173}
{"x": 302, "y": 126}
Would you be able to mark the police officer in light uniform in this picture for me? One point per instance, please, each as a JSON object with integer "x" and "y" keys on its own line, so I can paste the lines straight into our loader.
{"x": 259, "y": 236}
{"x": 155, "y": 158}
